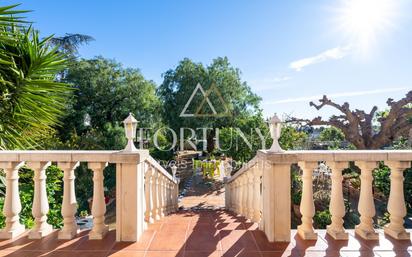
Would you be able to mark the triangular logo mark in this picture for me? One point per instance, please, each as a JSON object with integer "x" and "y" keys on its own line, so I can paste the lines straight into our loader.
{"x": 197, "y": 88}
{"x": 206, "y": 94}
{"x": 213, "y": 89}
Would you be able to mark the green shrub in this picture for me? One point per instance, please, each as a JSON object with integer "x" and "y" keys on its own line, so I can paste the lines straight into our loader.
{"x": 322, "y": 219}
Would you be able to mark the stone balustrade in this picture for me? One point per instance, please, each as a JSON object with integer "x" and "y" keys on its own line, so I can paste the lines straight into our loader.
{"x": 261, "y": 192}
{"x": 145, "y": 192}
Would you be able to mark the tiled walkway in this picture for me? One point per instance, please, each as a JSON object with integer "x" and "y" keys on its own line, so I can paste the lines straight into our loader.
{"x": 203, "y": 233}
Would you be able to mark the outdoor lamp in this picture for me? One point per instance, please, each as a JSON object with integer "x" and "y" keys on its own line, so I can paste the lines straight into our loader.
{"x": 174, "y": 170}
{"x": 130, "y": 126}
{"x": 275, "y": 127}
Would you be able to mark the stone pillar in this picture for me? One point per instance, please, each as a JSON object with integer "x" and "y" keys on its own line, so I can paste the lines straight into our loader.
{"x": 12, "y": 204}
{"x": 337, "y": 205}
{"x": 307, "y": 206}
{"x": 130, "y": 198}
{"x": 276, "y": 199}
{"x": 69, "y": 205}
{"x": 396, "y": 203}
{"x": 40, "y": 202}
{"x": 99, "y": 229}
{"x": 366, "y": 206}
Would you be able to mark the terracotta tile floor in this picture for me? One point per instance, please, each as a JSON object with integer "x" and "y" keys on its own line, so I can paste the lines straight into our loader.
{"x": 201, "y": 234}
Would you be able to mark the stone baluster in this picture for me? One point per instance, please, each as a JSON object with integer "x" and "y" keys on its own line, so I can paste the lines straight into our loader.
{"x": 366, "y": 206}
{"x": 172, "y": 196}
{"x": 396, "y": 203}
{"x": 257, "y": 198}
{"x": 169, "y": 196}
{"x": 166, "y": 195}
{"x": 40, "y": 202}
{"x": 156, "y": 199}
{"x": 12, "y": 204}
{"x": 175, "y": 195}
{"x": 232, "y": 196}
{"x": 149, "y": 195}
{"x": 337, "y": 205}
{"x": 243, "y": 208}
{"x": 250, "y": 200}
{"x": 162, "y": 195}
{"x": 307, "y": 206}
{"x": 99, "y": 229}
{"x": 240, "y": 196}
{"x": 69, "y": 205}
{"x": 244, "y": 196}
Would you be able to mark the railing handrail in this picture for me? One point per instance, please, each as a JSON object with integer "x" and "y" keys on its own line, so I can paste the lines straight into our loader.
{"x": 244, "y": 169}
{"x": 337, "y": 155}
{"x": 160, "y": 168}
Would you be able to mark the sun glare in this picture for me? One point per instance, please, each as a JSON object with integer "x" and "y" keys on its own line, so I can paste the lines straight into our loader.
{"x": 363, "y": 21}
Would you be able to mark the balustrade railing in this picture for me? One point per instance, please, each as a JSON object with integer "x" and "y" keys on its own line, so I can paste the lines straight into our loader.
{"x": 270, "y": 207}
{"x": 145, "y": 192}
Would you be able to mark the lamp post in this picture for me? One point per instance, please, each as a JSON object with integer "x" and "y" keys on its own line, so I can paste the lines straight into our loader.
{"x": 275, "y": 127}
{"x": 174, "y": 170}
{"x": 130, "y": 126}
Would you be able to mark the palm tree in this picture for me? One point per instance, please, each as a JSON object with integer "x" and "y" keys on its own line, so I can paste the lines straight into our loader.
{"x": 31, "y": 101}
{"x": 70, "y": 43}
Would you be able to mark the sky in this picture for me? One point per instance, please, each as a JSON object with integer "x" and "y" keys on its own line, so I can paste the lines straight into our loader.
{"x": 290, "y": 52}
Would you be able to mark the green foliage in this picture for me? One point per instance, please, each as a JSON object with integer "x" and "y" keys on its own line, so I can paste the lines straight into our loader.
{"x": 234, "y": 94}
{"x": 54, "y": 188}
{"x": 105, "y": 93}
{"x": 296, "y": 185}
{"x": 322, "y": 219}
{"x": 30, "y": 98}
{"x": 242, "y": 143}
{"x": 333, "y": 136}
{"x": 381, "y": 179}
{"x": 291, "y": 138}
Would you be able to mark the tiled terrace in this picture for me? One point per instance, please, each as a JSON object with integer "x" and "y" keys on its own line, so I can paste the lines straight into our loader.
{"x": 204, "y": 233}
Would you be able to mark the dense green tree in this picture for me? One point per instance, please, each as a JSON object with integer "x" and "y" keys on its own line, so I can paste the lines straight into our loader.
{"x": 232, "y": 98}
{"x": 104, "y": 94}
{"x": 243, "y": 141}
{"x": 333, "y": 136}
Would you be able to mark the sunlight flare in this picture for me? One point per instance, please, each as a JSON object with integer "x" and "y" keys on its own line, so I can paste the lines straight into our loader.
{"x": 365, "y": 21}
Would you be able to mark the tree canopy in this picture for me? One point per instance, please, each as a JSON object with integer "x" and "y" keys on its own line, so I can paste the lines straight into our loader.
{"x": 104, "y": 94}
{"x": 229, "y": 95}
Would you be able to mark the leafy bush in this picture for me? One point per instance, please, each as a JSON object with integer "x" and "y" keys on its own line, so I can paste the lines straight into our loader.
{"x": 322, "y": 219}
{"x": 381, "y": 179}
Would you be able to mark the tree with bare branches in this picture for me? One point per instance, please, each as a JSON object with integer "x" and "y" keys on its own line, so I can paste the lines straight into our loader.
{"x": 367, "y": 130}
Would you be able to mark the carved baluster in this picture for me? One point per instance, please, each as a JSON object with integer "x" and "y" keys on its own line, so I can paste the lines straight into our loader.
{"x": 396, "y": 203}
{"x": 167, "y": 196}
{"x": 257, "y": 198}
{"x": 337, "y": 205}
{"x": 307, "y": 206}
{"x": 162, "y": 195}
{"x": 366, "y": 206}
{"x": 99, "y": 229}
{"x": 12, "y": 204}
{"x": 175, "y": 195}
{"x": 250, "y": 179}
{"x": 69, "y": 205}
{"x": 241, "y": 195}
{"x": 156, "y": 203}
{"x": 40, "y": 202}
{"x": 149, "y": 194}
